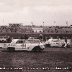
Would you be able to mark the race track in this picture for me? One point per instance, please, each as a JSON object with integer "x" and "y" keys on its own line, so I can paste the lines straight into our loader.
{"x": 50, "y": 60}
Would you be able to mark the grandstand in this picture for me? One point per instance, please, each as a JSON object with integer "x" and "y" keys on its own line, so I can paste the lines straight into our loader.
{"x": 18, "y": 30}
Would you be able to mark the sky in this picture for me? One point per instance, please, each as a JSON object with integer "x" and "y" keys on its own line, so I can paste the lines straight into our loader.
{"x": 36, "y": 12}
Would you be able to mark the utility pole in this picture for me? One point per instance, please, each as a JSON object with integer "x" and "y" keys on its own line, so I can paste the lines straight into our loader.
{"x": 54, "y": 22}
{"x": 43, "y": 23}
{"x": 32, "y": 23}
{"x": 67, "y": 23}
{"x": 3, "y": 20}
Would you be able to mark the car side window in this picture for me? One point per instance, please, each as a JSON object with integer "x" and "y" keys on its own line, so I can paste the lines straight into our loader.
{"x": 20, "y": 41}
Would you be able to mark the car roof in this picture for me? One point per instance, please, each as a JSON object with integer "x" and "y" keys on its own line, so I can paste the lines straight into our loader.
{"x": 33, "y": 40}
{"x": 29, "y": 40}
{"x": 15, "y": 40}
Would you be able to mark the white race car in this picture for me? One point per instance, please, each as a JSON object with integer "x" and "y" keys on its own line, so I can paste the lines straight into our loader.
{"x": 54, "y": 43}
{"x": 28, "y": 45}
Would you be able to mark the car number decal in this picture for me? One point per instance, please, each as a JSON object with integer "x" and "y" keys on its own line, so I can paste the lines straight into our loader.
{"x": 23, "y": 45}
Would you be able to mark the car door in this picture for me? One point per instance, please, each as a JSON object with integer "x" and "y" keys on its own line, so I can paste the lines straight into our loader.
{"x": 19, "y": 45}
{"x": 24, "y": 45}
{"x": 27, "y": 45}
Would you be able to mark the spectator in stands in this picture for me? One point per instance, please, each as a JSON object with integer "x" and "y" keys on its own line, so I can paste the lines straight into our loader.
{"x": 44, "y": 38}
{"x": 25, "y": 36}
{"x": 9, "y": 39}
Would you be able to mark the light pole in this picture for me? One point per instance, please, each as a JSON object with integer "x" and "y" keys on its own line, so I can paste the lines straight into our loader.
{"x": 54, "y": 22}
{"x": 67, "y": 23}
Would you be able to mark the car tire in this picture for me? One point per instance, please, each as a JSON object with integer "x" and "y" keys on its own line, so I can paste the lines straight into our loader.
{"x": 68, "y": 46}
{"x": 47, "y": 45}
{"x": 37, "y": 49}
{"x": 10, "y": 49}
{"x": 63, "y": 45}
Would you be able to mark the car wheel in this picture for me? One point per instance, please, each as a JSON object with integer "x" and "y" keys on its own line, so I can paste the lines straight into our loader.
{"x": 10, "y": 49}
{"x": 47, "y": 45}
{"x": 37, "y": 49}
{"x": 68, "y": 46}
{"x": 63, "y": 45}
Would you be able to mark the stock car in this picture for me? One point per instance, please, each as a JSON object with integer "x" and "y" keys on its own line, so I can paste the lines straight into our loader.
{"x": 55, "y": 43}
{"x": 3, "y": 43}
{"x": 27, "y": 45}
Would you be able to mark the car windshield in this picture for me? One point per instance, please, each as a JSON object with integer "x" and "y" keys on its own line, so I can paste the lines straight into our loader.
{"x": 33, "y": 41}
{"x": 20, "y": 41}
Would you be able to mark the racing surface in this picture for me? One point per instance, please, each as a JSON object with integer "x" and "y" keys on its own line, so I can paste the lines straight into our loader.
{"x": 50, "y": 60}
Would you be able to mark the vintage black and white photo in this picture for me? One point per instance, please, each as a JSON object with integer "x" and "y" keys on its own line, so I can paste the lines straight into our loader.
{"x": 35, "y": 35}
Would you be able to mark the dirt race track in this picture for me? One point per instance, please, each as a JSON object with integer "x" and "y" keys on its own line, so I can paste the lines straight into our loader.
{"x": 50, "y": 60}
